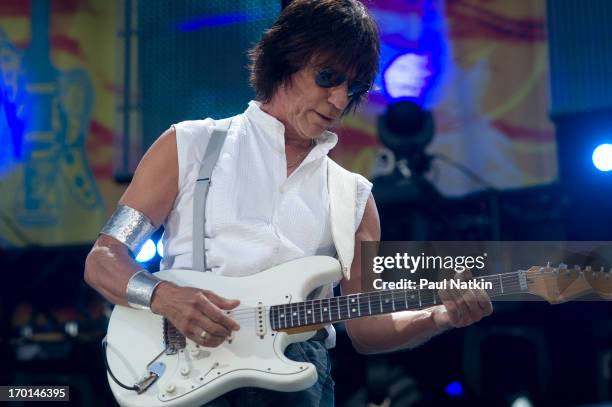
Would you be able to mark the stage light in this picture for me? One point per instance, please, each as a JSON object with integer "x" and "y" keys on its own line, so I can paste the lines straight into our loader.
{"x": 147, "y": 252}
{"x": 602, "y": 157}
{"x": 454, "y": 389}
{"x": 521, "y": 401}
{"x": 160, "y": 248}
{"x": 406, "y": 76}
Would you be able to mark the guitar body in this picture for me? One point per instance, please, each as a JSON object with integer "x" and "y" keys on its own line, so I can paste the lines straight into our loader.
{"x": 252, "y": 357}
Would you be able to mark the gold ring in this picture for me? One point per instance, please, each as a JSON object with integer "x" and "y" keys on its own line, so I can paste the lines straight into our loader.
{"x": 203, "y": 335}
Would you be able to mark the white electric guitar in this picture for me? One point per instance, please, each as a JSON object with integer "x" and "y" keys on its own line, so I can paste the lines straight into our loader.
{"x": 151, "y": 364}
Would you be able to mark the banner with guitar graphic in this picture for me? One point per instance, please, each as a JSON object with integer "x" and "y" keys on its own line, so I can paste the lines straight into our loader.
{"x": 57, "y": 101}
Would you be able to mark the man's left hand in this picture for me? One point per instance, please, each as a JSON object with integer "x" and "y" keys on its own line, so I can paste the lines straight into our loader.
{"x": 462, "y": 307}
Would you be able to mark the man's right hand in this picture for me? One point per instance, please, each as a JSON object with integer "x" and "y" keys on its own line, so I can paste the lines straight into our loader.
{"x": 193, "y": 311}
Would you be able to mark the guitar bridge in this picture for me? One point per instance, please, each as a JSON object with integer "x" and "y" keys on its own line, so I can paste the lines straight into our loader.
{"x": 173, "y": 339}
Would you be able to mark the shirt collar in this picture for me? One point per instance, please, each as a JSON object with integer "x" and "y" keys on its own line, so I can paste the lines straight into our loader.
{"x": 272, "y": 127}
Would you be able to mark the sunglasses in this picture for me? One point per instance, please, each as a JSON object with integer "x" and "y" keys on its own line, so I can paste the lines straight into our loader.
{"x": 329, "y": 78}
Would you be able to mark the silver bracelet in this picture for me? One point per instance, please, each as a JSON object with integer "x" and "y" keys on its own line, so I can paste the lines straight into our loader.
{"x": 140, "y": 289}
{"x": 129, "y": 226}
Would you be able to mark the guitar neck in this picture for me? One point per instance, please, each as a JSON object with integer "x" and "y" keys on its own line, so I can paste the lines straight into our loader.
{"x": 379, "y": 302}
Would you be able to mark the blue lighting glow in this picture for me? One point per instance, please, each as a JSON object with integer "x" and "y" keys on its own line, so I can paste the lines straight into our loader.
{"x": 216, "y": 21}
{"x": 454, "y": 389}
{"x": 406, "y": 77}
{"x": 602, "y": 157}
{"x": 147, "y": 252}
{"x": 415, "y": 51}
{"x": 160, "y": 248}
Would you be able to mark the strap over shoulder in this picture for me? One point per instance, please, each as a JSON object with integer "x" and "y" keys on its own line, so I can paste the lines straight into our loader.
{"x": 211, "y": 156}
{"x": 342, "y": 189}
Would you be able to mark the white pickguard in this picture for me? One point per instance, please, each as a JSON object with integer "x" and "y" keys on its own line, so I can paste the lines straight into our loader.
{"x": 196, "y": 375}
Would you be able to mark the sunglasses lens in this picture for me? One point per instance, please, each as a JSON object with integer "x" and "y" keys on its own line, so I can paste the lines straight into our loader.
{"x": 358, "y": 88}
{"x": 328, "y": 78}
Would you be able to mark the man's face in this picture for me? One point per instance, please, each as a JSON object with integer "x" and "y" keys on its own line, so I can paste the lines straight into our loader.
{"x": 311, "y": 109}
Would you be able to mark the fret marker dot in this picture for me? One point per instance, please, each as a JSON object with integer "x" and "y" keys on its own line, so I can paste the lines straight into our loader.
{"x": 295, "y": 313}
{"x": 353, "y": 300}
{"x": 309, "y": 311}
{"x": 325, "y": 309}
{"x": 282, "y": 315}
{"x": 386, "y": 300}
{"x": 412, "y": 297}
{"x": 354, "y": 310}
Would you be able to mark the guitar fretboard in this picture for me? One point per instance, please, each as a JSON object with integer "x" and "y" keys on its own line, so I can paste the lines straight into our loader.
{"x": 342, "y": 308}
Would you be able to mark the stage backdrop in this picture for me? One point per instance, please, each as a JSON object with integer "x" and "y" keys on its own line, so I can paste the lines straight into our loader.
{"x": 57, "y": 112}
{"x": 481, "y": 66}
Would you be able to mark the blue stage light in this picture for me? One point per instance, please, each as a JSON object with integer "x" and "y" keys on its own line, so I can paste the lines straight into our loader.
{"x": 407, "y": 76}
{"x": 602, "y": 157}
{"x": 454, "y": 389}
{"x": 160, "y": 248}
{"x": 147, "y": 252}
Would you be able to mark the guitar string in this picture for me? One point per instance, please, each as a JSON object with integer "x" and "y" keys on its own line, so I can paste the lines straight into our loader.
{"x": 383, "y": 295}
{"x": 507, "y": 286}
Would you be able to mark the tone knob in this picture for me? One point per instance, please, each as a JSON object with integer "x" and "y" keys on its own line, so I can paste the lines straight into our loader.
{"x": 185, "y": 370}
{"x": 170, "y": 388}
{"x": 195, "y": 352}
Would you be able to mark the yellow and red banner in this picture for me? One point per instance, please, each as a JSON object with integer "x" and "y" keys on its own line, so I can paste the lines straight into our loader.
{"x": 57, "y": 111}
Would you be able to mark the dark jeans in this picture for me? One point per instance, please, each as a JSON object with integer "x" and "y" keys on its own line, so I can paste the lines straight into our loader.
{"x": 321, "y": 394}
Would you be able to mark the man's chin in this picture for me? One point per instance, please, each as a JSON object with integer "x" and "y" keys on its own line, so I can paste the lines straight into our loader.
{"x": 317, "y": 130}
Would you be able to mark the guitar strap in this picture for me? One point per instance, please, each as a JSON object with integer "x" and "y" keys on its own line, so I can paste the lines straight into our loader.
{"x": 342, "y": 189}
{"x": 200, "y": 193}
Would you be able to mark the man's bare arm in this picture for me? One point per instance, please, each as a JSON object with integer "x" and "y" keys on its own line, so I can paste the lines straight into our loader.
{"x": 109, "y": 265}
{"x": 385, "y": 333}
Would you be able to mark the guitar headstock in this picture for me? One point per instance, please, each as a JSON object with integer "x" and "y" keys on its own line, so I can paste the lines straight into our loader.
{"x": 600, "y": 281}
{"x": 560, "y": 284}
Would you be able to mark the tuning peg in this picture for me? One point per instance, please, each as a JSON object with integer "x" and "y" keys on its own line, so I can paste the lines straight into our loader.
{"x": 588, "y": 268}
{"x": 547, "y": 264}
{"x": 562, "y": 266}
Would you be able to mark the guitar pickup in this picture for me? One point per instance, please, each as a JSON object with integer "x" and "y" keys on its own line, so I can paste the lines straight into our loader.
{"x": 260, "y": 320}
{"x": 231, "y": 336}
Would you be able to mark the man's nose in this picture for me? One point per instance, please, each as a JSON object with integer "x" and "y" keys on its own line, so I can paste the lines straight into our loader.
{"x": 338, "y": 96}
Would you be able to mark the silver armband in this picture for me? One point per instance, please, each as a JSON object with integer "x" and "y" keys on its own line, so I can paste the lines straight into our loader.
{"x": 130, "y": 227}
{"x": 140, "y": 289}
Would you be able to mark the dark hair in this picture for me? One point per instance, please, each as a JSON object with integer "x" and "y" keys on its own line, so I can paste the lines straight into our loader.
{"x": 341, "y": 34}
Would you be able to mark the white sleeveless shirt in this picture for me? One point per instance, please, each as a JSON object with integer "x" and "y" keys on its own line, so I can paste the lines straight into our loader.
{"x": 256, "y": 216}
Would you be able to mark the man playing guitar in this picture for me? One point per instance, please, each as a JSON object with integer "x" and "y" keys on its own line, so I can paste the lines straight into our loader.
{"x": 268, "y": 203}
